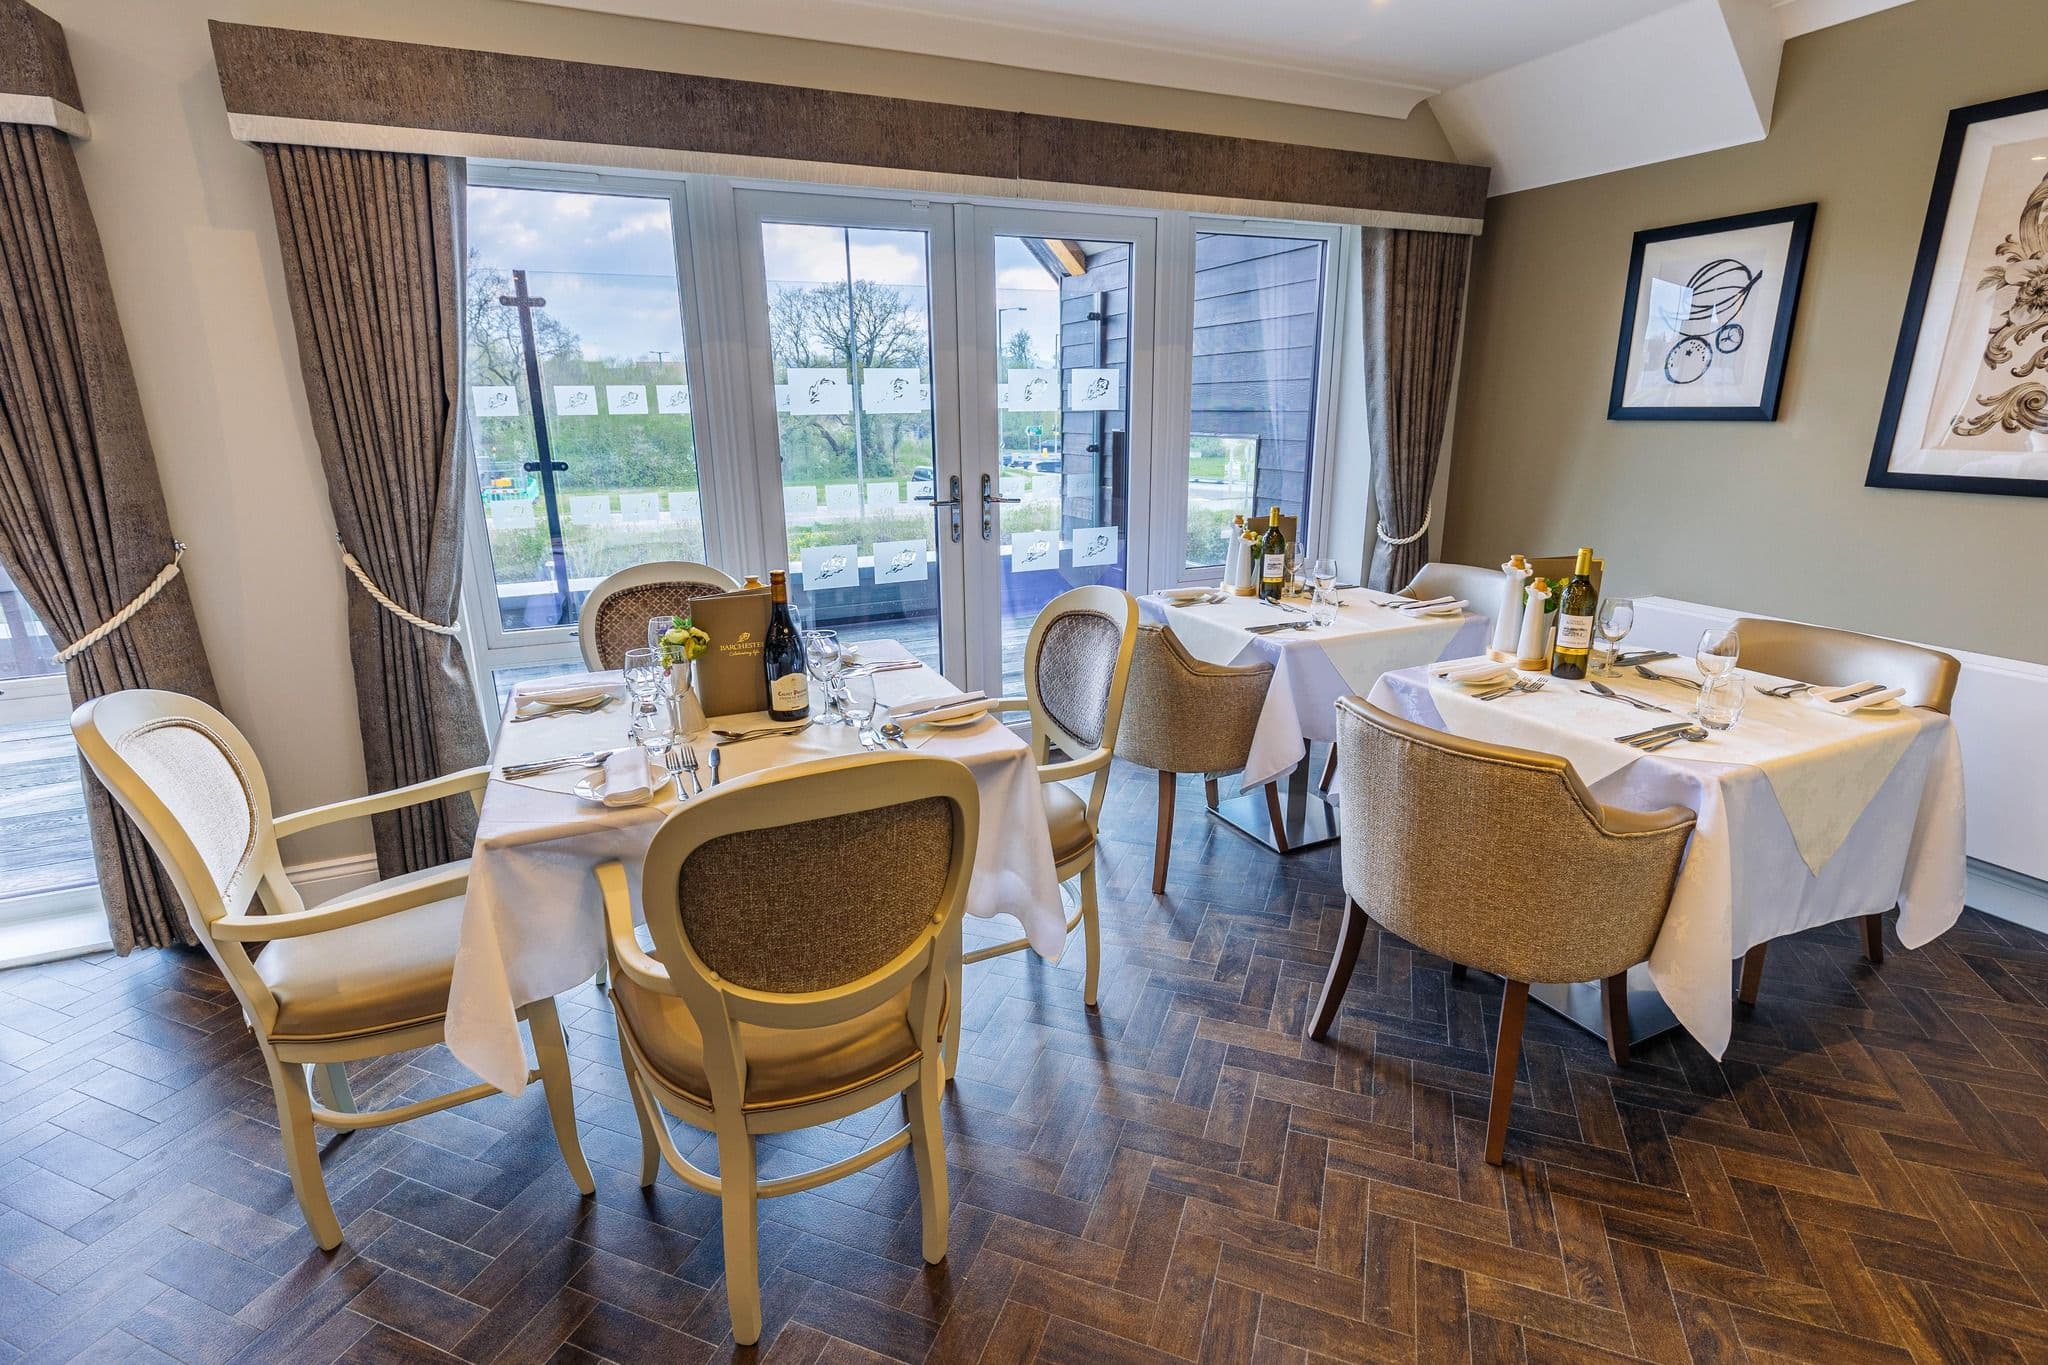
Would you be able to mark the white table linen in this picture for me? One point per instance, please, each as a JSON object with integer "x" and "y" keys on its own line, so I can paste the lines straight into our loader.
{"x": 1744, "y": 880}
{"x": 533, "y": 923}
{"x": 1311, "y": 668}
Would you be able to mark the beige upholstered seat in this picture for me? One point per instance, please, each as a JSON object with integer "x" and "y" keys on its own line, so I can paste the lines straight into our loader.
{"x": 1827, "y": 657}
{"x": 615, "y": 614}
{"x": 784, "y": 991}
{"x": 1495, "y": 858}
{"x": 1077, "y": 666}
{"x": 364, "y": 975}
{"x": 1186, "y": 716}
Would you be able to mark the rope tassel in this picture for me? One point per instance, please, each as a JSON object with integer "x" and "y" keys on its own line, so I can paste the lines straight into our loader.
{"x": 383, "y": 599}
{"x": 123, "y": 616}
{"x": 1390, "y": 539}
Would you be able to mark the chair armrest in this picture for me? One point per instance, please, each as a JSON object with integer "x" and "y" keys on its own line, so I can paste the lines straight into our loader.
{"x": 632, "y": 959}
{"x": 359, "y": 908}
{"x": 469, "y": 780}
{"x": 1070, "y": 768}
{"x": 1010, "y": 704}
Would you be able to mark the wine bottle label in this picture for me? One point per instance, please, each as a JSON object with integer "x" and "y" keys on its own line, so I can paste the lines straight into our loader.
{"x": 1574, "y": 632}
{"x": 790, "y": 692}
{"x": 1274, "y": 569}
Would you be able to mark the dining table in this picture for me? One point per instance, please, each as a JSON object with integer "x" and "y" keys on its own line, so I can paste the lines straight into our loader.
{"x": 533, "y": 922}
{"x": 1373, "y": 633}
{"x": 1806, "y": 815}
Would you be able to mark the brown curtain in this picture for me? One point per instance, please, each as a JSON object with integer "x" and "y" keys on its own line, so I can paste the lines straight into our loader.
{"x": 373, "y": 259}
{"x": 1414, "y": 296}
{"x": 83, "y": 528}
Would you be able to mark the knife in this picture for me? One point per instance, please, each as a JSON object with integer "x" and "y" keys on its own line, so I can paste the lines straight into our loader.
{"x": 940, "y": 705}
{"x": 1653, "y": 730}
{"x": 1859, "y": 692}
{"x": 714, "y": 765}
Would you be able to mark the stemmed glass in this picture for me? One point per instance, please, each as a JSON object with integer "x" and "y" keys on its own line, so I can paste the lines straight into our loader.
{"x": 643, "y": 673}
{"x": 654, "y": 728}
{"x": 821, "y": 651}
{"x": 1322, "y": 610}
{"x": 1719, "y": 648}
{"x": 1614, "y": 619}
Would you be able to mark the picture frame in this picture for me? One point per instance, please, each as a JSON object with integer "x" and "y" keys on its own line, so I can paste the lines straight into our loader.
{"x": 1707, "y": 318}
{"x": 1966, "y": 407}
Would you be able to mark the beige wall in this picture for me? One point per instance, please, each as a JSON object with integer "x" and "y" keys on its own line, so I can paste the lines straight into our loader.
{"x": 1766, "y": 517}
{"x": 185, "y": 217}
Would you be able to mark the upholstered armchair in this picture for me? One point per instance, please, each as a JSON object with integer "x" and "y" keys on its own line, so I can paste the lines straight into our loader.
{"x": 615, "y": 614}
{"x": 1827, "y": 657}
{"x": 365, "y": 975}
{"x": 805, "y": 922}
{"x": 1077, "y": 667}
{"x": 1499, "y": 859}
{"x": 1186, "y": 716}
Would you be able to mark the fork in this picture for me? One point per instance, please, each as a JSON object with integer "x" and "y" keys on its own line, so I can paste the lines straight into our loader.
{"x": 1644, "y": 671}
{"x": 868, "y": 740}
{"x": 1519, "y": 685}
{"x": 690, "y": 767}
{"x": 1783, "y": 690}
{"x": 673, "y": 761}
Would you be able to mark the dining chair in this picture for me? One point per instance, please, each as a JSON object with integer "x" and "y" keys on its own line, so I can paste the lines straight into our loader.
{"x": 361, "y": 976}
{"x": 1500, "y": 859}
{"x": 804, "y": 923}
{"x": 1186, "y": 716}
{"x": 615, "y": 614}
{"x": 1827, "y": 657}
{"x": 1077, "y": 667}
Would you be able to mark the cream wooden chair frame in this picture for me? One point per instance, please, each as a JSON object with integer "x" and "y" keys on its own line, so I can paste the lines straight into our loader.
{"x": 1083, "y": 759}
{"x": 260, "y": 905}
{"x": 789, "y": 795}
{"x": 639, "y": 576}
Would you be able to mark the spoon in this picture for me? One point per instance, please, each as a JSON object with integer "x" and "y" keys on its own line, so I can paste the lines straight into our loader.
{"x": 589, "y": 758}
{"x": 1653, "y": 675}
{"x": 894, "y": 734}
{"x": 1693, "y": 733}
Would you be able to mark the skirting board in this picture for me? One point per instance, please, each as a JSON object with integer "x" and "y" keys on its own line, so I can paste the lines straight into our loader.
{"x": 327, "y": 878}
{"x": 2007, "y": 895}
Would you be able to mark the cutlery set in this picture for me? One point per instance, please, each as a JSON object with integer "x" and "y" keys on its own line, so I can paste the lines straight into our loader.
{"x": 1600, "y": 689}
{"x": 682, "y": 763}
{"x": 1419, "y": 606}
{"x": 1519, "y": 685}
{"x": 881, "y": 737}
{"x": 589, "y": 758}
{"x": 1654, "y": 676}
{"x": 574, "y": 708}
{"x": 1662, "y": 736}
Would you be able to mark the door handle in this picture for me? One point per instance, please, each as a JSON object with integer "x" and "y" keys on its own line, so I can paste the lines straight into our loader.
{"x": 989, "y": 501}
{"x": 553, "y": 466}
{"x": 953, "y": 487}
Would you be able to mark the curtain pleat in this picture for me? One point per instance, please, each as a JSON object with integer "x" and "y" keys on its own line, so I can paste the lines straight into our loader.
{"x": 373, "y": 257}
{"x": 1414, "y": 298}
{"x": 83, "y": 527}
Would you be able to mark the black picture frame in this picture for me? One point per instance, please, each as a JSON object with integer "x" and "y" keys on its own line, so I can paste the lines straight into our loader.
{"x": 1800, "y": 216}
{"x": 1881, "y": 474}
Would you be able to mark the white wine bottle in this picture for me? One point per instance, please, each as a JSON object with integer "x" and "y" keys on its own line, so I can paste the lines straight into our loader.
{"x": 1575, "y": 620}
{"x": 1273, "y": 560}
{"x": 782, "y": 654}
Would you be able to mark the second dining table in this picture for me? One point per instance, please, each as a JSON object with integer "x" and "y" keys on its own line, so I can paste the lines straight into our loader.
{"x": 533, "y": 926}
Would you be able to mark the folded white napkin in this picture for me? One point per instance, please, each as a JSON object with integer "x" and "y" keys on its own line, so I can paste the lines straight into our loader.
{"x": 542, "y": 696}
{"x": 1470, "y": 670}
{"x": 626, "y": 777}
{"x": 1831, "y": 698}
{"x": 1440, "y": 609}
{"x": 959, "y": 710}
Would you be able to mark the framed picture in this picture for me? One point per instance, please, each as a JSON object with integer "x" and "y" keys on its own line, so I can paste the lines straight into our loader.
{"x": 1967, "y": 407}
{"x": 1707, "y": 318}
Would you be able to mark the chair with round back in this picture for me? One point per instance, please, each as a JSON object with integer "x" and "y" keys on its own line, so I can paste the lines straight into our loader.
{"x": 1186, "y": 716}
{"x": 1827, "y": 657}
{"x": 1496, "y": 858}
{"x": 362, "y": 976}
{"x": 806, "y": 923}
{"x": 615, "y": 614}
{"x": 1077, "y": 667}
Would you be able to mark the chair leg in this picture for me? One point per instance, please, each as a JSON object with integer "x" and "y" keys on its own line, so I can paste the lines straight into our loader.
{"x": 1091, "y": 934}
{"x": 301, "y": 1151}
{"x": 740, "y": 1199}
{"x": 1209, "y": 793}
{"x": 1752, "y": 974}
{"x": 1274, "y": 814}
{"x": 928, "y": 1150}
{"x": 1350, "y": 936}
{"x": 331, "y": 1088}
{"x": 956, "y": 976}
{"x": 552, "y": 1053}
{"x": 1873, "y": 939}
{"x": 645, "y": 1111}
{"x": 1507, "y": 1054}
{"x": 1162, "y": 843}
{"x": 1329, "y": 771}
{"x": 1614, "y": 1006}
{"x": 604, "y": 974}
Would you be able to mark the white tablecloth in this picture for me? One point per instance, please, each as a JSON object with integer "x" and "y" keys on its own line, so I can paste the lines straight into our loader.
{"x": 1745, "y": 880}
{"x": 533, "y": 924}
{"x": 1312, "y": 668}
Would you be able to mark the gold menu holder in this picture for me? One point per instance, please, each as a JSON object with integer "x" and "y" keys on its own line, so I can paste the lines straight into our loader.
{"x": 731, "y": 677}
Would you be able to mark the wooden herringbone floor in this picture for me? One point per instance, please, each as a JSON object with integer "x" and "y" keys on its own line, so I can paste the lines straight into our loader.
{"x": 1865, "y": 1177}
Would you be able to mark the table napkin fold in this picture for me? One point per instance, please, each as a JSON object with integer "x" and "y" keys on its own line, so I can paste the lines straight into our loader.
{"x": 627, "y": 777}
{"x": 1843, "y": 702}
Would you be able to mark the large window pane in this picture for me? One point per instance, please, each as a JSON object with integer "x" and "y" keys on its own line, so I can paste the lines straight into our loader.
{"x": 615, "y": 407}
{"x": 44, "y": 843}
{"x": 1258, "y": 328}
{"x": 849, "y": 329}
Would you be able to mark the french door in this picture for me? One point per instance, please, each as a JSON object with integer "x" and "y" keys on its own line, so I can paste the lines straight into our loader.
{"x": 950, "y": 405}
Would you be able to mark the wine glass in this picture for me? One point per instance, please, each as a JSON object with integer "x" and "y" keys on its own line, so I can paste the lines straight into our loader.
{"x": 1615, "y": 618}
{"x": 821, "y": 653}
{"x": 1719, "y": 648}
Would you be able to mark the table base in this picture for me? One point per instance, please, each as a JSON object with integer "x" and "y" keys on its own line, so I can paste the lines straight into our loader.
{"x": 1579, "y": 1001}
{"x": 1306, "y": 820}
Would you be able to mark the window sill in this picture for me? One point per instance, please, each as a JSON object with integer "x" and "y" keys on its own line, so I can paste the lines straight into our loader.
{"x": 65, "y": 924}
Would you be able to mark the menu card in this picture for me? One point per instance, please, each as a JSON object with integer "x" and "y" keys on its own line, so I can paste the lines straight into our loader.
{"x": 731, "y": 677}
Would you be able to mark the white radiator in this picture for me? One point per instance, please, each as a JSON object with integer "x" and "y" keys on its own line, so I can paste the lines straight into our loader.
{"x": 2001, "y": 716}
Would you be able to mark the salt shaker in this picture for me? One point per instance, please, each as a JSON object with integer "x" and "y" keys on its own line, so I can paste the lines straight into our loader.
{"x": 1532, "y": 655}
{"x": 1507, "y": 622}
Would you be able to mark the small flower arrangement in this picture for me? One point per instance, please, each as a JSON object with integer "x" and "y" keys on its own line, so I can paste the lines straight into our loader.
{"x": 683, "y": 642}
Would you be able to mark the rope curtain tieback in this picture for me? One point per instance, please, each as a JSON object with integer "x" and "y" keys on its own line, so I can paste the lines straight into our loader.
{"x": 383, "y": 599}
{"x": 122, "y": 617}
{"x": 1392, "y": 539}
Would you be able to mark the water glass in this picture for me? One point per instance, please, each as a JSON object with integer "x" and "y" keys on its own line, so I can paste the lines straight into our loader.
{"x": 1324, "y": 571}
{"x": 854, "y": 694}
{"x": 643, "y": 672}
{"x": 1720, "y": 701}
{"x": 1719, "y": 648}
{"x": 654, "y": 729}
{"x": 1614, "y": 619}
{"x": 1322, "y": 611}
